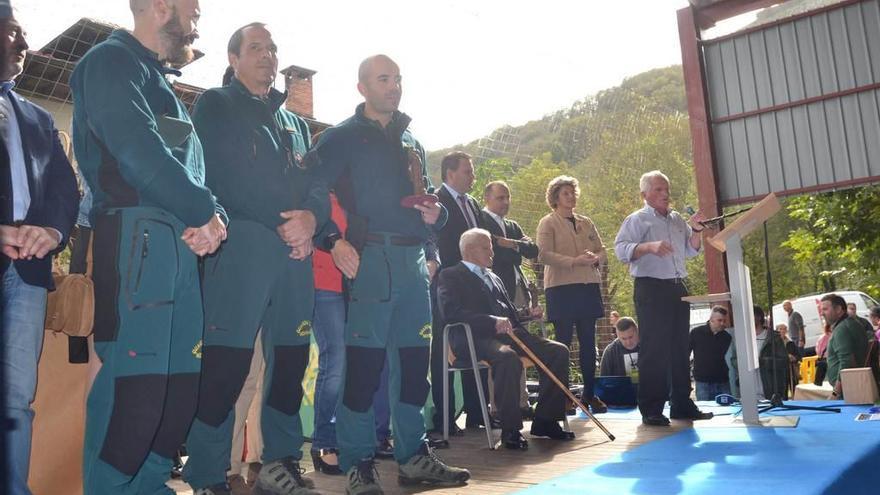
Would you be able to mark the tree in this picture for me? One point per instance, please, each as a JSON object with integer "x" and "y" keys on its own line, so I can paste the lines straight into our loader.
{"x": 837, "y": 239}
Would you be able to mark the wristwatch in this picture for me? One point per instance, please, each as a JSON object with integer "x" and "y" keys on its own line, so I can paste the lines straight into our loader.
{"x": 330, "y": 241}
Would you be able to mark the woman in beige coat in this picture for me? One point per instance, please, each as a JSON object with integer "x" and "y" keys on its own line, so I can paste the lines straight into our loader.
{"x": 571, "y": 250}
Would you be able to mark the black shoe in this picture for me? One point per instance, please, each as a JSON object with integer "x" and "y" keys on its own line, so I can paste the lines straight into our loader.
{"x": 385, "y": 450}
{"x": 323, "y": 467}
{"x": 550, "y": 429}
{"x": 513, "y": 440}
{"x": 177, "y": 467}
{"x": 694, "y": 415}
{"x": 478, "y": 423}
{"x": 655, "y": 420}
{"x": 597, "y": 406}
{"x": 437, "y": 443}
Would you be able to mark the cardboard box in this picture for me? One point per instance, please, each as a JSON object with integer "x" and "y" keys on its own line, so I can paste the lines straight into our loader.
{"x": 859, "y": 386}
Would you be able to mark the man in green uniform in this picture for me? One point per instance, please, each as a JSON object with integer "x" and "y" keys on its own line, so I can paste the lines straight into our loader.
{"x": 152, "y": 217}
{"x": 262, "y": 276}
{"x": 365, "y": 158}
{"x": 848, "y": 347}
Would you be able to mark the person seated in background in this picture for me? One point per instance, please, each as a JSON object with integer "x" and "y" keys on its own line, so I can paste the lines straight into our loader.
{"x": 821, "y": 355}
{"x": 709, "y": 343}
{"x": 851, "y": 311}
{"x": 772, "y": 375}
{"x": 617, "y": 384}
{"x": 621, "y": 356}
{"x": 470, "y": 293}
{"x": 772, "y": 359}
{"x": 874, "y": 316}
{"x": 848, "y": 347}
{"x": 794, "y": 357}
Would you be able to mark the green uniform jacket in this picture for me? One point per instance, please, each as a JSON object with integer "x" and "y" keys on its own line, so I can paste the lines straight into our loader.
{"x": 848, "y": 347}
{"x": 367, "y": 167}
{"x": 254, "y": 155}
{"x": 133, "y": 138}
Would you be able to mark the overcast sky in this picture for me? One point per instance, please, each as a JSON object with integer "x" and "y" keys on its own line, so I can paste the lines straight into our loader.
{"x": 468, "y": 66}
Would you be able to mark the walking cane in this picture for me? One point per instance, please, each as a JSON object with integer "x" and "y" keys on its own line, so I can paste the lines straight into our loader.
{"x": 534, "y": 293}
{"x": 565, "y": 389}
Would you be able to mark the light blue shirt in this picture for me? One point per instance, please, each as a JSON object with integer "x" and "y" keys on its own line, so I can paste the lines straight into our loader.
{"x": 646, "y": 225}
{"x": 480, "y": 272}
{"x": 21, "y": 194}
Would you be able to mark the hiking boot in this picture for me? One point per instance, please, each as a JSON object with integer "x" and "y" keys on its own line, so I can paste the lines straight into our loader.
{"x": 283, "y": 477}
{"x": 426, "y": 467}
{"x": 218, "y": 489}
{"x": 363, "y": 479}
{"x": 237, "y": 485}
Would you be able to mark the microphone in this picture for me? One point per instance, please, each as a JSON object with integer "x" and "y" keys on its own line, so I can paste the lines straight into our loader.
{"x": 691, "y": 212}
{"x": 714, "y": 221}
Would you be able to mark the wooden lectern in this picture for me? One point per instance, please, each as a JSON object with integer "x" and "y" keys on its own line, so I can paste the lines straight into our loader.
{"x": 729, "y": 241}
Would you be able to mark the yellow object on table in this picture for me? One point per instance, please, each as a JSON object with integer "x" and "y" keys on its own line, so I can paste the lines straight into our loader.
{"x": 808, "y": 369}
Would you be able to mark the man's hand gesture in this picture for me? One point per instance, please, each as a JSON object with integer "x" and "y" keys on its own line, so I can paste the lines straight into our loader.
{"x": 430, "y": 212}
{"x": 346, "y": 258}
{"x": 207, "y": 238}
{"x": 297, "y": 232}
{"x": 28, "y": 241}
{"x": 502, "y": 325}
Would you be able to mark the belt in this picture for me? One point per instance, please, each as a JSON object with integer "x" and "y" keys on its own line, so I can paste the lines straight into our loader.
{"x": 394, "y": 240}
{"x": 676, "y": 280}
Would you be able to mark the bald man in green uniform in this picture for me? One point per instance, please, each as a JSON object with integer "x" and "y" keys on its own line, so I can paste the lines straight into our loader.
{"x": 152, "y": 217}
{"x": 366, "y": 159}
{"x": 262, "y": 276}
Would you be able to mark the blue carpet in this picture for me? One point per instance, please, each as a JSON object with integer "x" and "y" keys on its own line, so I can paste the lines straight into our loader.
{"x": 826, "y": 453}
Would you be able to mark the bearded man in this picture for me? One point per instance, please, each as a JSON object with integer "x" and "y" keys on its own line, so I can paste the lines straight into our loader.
{"x": 152, "y": 218}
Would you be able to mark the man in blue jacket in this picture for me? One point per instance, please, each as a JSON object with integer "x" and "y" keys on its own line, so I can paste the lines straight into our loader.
{"x": 262, "y": 276}
{"x": 366, "y": 159}
{"x": 152, "y": 217}
{"x": 38, "y": 205}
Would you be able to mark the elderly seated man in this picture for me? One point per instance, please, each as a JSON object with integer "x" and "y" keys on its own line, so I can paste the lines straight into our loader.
{"x": 470, "y": 293}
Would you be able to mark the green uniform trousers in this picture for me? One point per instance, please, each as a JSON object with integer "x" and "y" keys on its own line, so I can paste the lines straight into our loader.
{"x": 148, "y": 325}
{"x": 389, "y": 312}
{"x": 251, "y": 283}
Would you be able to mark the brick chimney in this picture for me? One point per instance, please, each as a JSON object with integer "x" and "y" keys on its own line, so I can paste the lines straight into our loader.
{"x": 298, "y": 81}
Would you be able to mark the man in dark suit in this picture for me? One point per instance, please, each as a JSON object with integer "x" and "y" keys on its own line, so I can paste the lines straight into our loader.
{"x": 38, "y": 207}
{"x": 470, "y": 293}
{"x": 511, "y": 245}
{"x": 457, "y": 172}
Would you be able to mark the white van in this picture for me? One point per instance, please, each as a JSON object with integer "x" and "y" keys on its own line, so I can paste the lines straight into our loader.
{"x": 810, "y": 309}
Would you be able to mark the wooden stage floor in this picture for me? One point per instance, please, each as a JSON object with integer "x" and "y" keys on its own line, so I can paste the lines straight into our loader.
{"x": 506, "y": 471}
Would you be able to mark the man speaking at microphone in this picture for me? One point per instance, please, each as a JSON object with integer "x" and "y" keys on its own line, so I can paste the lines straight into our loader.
{"x": 655, "y": 241}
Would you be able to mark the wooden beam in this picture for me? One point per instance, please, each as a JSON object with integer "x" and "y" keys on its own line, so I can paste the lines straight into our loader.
{"x": 704, "y": 163}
